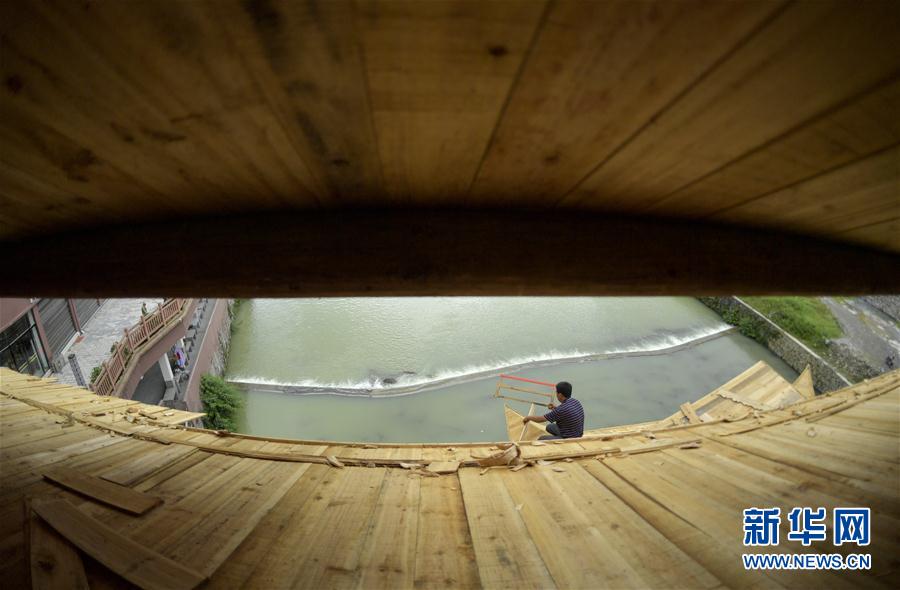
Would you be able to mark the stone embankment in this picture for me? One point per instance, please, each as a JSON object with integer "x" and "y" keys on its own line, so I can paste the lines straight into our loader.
{"x": 796, "y": 354}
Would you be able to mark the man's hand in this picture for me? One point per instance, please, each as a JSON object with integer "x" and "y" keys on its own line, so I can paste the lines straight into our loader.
{"x": 527, "y": 419}
{"x": 551, "y": 405}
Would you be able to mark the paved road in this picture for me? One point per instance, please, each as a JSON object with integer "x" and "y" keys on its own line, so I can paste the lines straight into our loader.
{"x": 870, "y": 332}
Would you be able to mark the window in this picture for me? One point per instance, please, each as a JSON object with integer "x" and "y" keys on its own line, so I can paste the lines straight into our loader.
{"x": 20, "y": 347}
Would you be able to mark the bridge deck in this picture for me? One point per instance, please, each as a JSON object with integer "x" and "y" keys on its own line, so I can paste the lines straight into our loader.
{"x": 626, "y": 510}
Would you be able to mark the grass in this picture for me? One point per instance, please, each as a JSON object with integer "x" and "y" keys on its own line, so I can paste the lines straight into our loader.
{"x": 805, "y": 318}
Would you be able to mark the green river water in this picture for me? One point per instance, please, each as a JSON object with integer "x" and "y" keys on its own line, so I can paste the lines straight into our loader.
{"x": 425, "y": 369}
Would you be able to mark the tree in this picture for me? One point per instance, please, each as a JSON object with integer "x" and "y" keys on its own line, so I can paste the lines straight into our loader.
{"x": 221, "y": 402}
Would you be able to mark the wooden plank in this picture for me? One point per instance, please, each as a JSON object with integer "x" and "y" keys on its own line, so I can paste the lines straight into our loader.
{"x": 444, "y": 467}
{"x": 438, "y": 75}
{"x": 864, "y": 126}
{"x": 584, "y": 90}
{"x": 705, "y": 548}
{"x": 149, "y": 462}
{"x": 222, "y": 513}
{"x": 504, "y": 551}
{"x": 861, "y": 193}
{"x": 333, "y": 532}
{"x": 444, "y": 553}
{"x": 55, "y": 563}
{"x": 107, "y": 492}
{"x": 131, "y": 560}
{"x": 268, "y": 536}
{"x": 688, "y": 410}
{"x": 804, "y": 46}
{"x": 396, "y": 517}
{"x": 586, "y": 534}
{"x": 514, "y": 425}
{"x": 300, "y": 56}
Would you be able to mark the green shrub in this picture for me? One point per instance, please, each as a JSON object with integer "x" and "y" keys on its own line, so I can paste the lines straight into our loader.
{"x": 221, "y": 402}
{"x": 805, "y": 318}
{"x": 95, "y": 372}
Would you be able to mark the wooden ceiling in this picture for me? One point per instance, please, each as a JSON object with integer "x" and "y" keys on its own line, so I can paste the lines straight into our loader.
{"x": 765, "y": 114}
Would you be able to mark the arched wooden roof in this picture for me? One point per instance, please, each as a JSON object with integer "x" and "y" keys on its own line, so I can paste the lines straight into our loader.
{"x": 642, "y": 507}
{"x": 525, "y": 119}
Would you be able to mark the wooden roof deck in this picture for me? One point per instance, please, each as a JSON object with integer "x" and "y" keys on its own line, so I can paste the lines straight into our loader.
{"x": 724, "y": 130}
{"x": 625, "y": 510}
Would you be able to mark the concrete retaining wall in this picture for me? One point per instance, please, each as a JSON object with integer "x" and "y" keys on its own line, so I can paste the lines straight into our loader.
{"x": 207, "y": 352}
{"x": 796, "y": 354}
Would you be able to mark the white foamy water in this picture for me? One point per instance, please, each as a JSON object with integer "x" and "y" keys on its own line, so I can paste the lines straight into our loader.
{"x": 358, "y": 362}
{"x": 407, "y": 383}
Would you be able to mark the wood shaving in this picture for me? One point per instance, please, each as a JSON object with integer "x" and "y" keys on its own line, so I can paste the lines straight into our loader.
{"x": 519, "y": 467}
{"x": 168, "y": 413}
{"x": 370, "y": 446}
{"x": 519, "y": 507}
{"x": 333, "y": 461}
{"x": 648, "y": 434}
{"x": 544, "y": 462}
{"x": 811, "y": 433}
{"x": 130, "y": 410}
{"x": 370, "y": 464}
{"x": 409, "y": 465}
{"x": 538, "y": 443}
{"x": 485, "y": 470}
{"x": 690, "y": 445}
{"x": 567, "y": 459}
{"x": 559, "y": 470}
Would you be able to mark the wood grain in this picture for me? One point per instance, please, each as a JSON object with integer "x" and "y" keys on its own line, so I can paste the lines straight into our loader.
{"x": 103, "y": 491}
{"x": 131, "y": 560}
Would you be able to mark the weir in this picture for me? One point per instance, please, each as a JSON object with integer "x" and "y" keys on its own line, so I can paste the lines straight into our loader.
{"x": 408, "y": 385}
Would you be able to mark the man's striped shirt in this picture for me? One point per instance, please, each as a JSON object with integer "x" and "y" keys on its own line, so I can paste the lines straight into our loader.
{"x": 569, "y": 416}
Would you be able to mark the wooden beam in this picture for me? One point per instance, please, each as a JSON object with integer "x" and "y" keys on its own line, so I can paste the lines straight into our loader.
{"x": 103, "y": 491}
{"x": 131, "y": 560}
{"x": 54, "y": 562}
{"x": 689, "y": 413}
{"x": 437, "y": 252}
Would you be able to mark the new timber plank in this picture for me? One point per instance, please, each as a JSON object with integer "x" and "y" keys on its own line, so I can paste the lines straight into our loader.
{"x": 103, "y": 491}
{"x": 332, "y": 531}
{"x": 55, "y": 563}
{"x": 863, "y": 126}
{"x": 396, "y": 517}
{"x": 269, "y": 534}
{"x": 718, "y": 516}
{"x": 857, "y": 194}
{"x": 576, "y": 495}
{"x": 439, "y": 74}
{"x": 589, "y": 84}
{"x": 228, "y": 517}
{"x": 504, "y": 552}
{"x": 129, "y": 559}
{"x": 705, "y": 548}
{"x": 149, "y": 462}
{"x": 445, "y": 556}
{"x": 768, "y": 80}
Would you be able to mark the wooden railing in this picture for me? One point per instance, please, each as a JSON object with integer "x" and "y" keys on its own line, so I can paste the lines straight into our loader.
{"x": 133, "y": 342}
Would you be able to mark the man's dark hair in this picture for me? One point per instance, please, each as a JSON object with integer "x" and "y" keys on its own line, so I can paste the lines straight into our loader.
{"x": 565, "y": 388}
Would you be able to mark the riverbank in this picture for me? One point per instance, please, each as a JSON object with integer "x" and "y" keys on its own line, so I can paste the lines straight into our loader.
{"x": 844, "y": 339}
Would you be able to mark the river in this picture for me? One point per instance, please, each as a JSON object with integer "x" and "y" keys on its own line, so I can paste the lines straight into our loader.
{"x": 424, "y": 369}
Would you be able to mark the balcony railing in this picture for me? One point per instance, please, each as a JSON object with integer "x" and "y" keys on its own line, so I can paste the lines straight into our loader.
{"x": 133, "y": 343}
